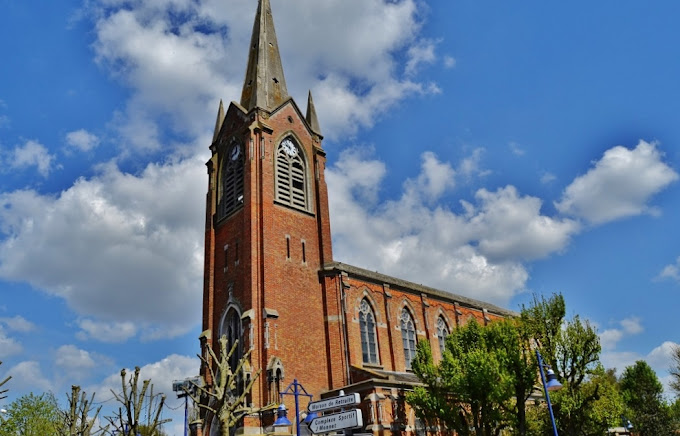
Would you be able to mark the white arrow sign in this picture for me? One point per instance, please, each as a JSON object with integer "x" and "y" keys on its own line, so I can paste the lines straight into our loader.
{"x": 334, "y": 403}
{"x": 337, "y": 421}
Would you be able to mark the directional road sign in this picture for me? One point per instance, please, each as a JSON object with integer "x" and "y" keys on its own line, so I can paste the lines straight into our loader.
{"x": 337, "y": 421}
{"x": 334, "y": 403}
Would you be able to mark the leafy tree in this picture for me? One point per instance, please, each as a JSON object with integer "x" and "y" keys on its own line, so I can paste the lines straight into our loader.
{"x": 572, "y": 349}
{"x": 31, "y": 415}
{"x": 674, "y": 369}
{"x": 226, "y": 397}
{"x": 75, "y": 420}
{"x": 134, "y": 400}
{"x": 4, "y": 391}
{"x": 643, "y": 396}
{"x": 471, "y": 390}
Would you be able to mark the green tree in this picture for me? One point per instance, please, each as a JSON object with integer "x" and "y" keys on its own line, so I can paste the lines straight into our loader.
{"x": 572, "y": 349}
{"x": 31, "y": 415}
{"x": 471, "y": 390}
{"x": 643, "y": 396}
{"x": 674, "y": 369}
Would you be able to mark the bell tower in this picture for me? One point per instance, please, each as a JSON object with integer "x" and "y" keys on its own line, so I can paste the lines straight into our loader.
{"x": 267, "y": 229}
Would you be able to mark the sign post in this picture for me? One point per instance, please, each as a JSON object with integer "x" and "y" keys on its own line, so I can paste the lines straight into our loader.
{"x": 337, "y": 421}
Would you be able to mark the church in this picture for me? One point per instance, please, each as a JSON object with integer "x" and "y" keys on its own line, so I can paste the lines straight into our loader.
{"x": 271, "y": 281}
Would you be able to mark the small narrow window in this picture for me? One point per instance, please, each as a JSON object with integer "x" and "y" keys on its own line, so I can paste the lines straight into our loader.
{"x": 287, "y": 247}
{"x": 408, "y": 337}
{"x": 236, "y": 254}
{"x": 304, "y": 254}
{"x": 226, "y": 257}
{"x": 442, "y": 333}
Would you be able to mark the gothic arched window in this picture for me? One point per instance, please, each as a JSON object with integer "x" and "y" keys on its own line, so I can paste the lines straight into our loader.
{"x": 231, "y": 328}
{"x": 442, "y": 333}
{"x": 369, "y": 344}
{"x": 408, "y": 336}
{"x": 230, "y": 189}
{"x": 291, "y": 175}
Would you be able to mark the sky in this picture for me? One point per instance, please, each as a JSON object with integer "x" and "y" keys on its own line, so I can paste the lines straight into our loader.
{"x": 496, "y": 150}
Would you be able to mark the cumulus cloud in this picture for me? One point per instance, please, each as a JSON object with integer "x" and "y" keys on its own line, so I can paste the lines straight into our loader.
{"x": 348, "y": 52}
{"x": 8, "y": 345}
{"x": 619, "y": 185}
{"x": 610, "y": 338}
{"x": 106, "y": 331}
{"x": 480, "y": 251}
{"x": 72, "y": 358}
{"x": 118, "y": 248}
{"x": 671, "y": 271}
{"x": 28, "y": 376}
{"x": 18, "y": 324}
{"x": 32, "y": 154}
{"x": 82, "y": 140}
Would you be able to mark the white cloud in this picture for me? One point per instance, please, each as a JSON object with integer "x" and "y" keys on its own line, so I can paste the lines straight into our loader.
{"x": 82, "y": 140}
{"x": 516, "y": 149}
{"x": 422, "y": 52}
{"x": 106, "y": 331}
{"x": 547, "y": 178}
{"x": 480, "y": 252}
{"x": 28, "y": 376}
{"x": 8, "y": 346}
{"x": 610, "y": 338}
{"x": 32, "y": 153}
{"x": 72, "y": 358}
{"x": 449, "y": 62}
{"x": 619, "y": 185}
{"x": 18, "y": 324}
{"x": 671, "y": 271}
{"x": 348, "y": 52}
{"x": 118, "y": 248}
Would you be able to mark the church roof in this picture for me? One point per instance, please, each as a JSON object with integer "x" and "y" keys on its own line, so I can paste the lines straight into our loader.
{"x": 394, "y": 282}
{"x": 264, "y": 85}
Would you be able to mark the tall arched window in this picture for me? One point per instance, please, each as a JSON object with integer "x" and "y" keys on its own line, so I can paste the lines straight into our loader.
{"x": 230, "y": 189}
{"x": 442, "y": 333}
{"x": 231, "y": 327}
{"x": 291, "y": 175}
{"x": 369, "y": 344}
{"x": 408, "y": 336}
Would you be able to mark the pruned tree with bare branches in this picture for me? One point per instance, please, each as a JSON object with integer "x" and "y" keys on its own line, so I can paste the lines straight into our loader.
{"x": 76, "y": 418}
{"x": 134, "y": 400}
{"x": 223, "y": 399}
{"x": 2, "y": 383}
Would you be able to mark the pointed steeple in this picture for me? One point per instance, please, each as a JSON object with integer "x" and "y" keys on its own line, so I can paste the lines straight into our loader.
{"x": 311, "y": 118}
{"x": 219, "y": 121}
{"x": 264, "y": 85}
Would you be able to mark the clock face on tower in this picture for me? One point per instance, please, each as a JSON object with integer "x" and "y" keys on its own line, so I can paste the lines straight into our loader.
{"x": 290, "y": 148}
{"x": 234, "y": 152}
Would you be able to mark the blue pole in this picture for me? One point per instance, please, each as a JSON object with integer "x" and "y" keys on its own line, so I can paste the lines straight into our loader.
{"x": 186, "y": 413}
{"x": 545, "y": 389}
{"x": 297, "y": 407}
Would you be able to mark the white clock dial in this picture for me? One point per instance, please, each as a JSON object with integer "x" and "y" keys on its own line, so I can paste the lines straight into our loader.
{"x": 289, "y": 147}
{"x": 235, "y": 152}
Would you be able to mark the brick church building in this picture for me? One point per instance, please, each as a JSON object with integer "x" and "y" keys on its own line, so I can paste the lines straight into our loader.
{"x": 270, "y": 278}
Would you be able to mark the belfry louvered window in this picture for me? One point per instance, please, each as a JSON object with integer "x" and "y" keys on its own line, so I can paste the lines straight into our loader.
{"x": 230, "y": 195}
{"x": 408, "y": 336}
{"x": 291, "y": 175}
{"x": 369, "y": 346}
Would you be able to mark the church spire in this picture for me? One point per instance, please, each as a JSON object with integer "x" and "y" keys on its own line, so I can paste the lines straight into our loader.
{"x": 219, "y": 121}
{"x": 264, "y": 85}
{"x": 311, "y": 118}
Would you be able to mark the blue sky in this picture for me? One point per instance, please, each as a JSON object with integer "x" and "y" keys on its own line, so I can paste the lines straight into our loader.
{"x": 493, "y": 149}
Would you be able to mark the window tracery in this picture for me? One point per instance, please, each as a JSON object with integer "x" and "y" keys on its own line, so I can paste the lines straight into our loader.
{"x": 230, "y": 188}
{"x": 291, "y": 175}
{"x": 408, "y": 336}
{"x": 369, "y": 343}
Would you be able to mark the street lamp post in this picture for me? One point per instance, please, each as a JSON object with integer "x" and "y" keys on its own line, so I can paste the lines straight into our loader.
{"x": 550, "y": 385}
